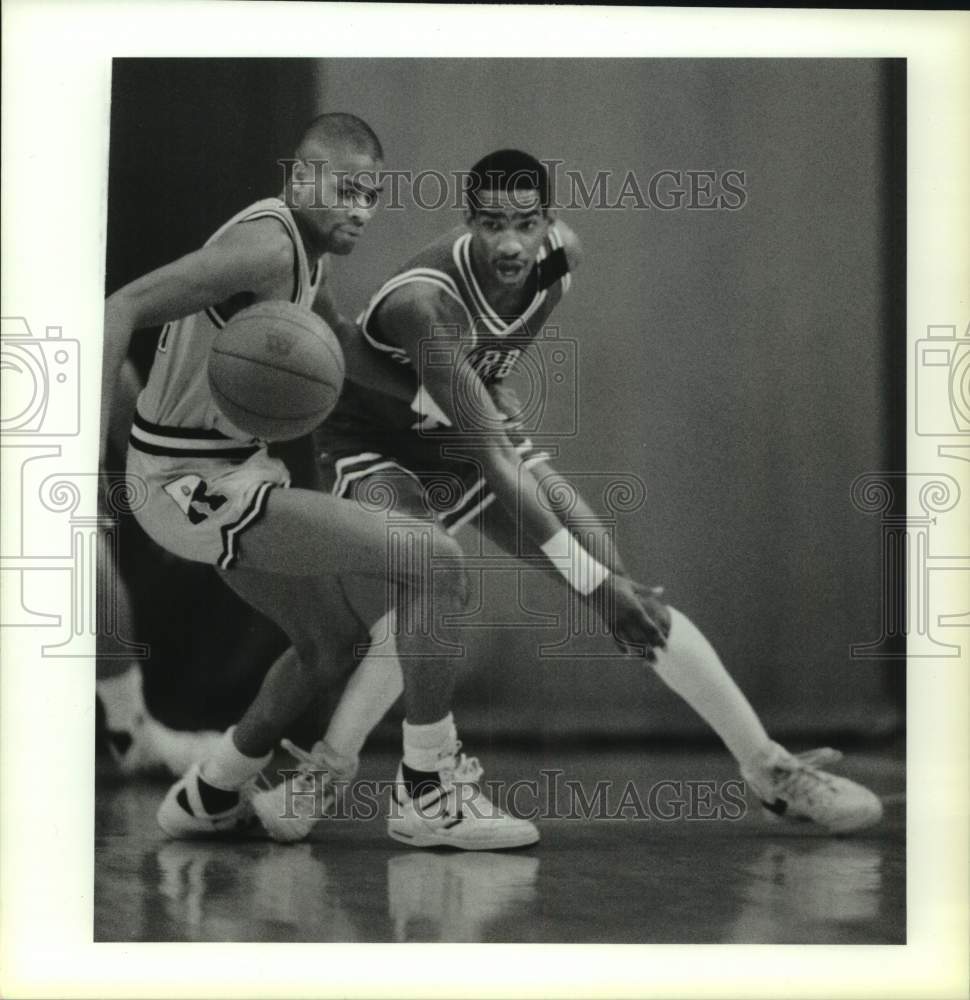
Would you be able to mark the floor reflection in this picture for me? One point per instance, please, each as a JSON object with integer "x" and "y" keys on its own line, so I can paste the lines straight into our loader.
{"x": 615, "y": 882}
{"x": 206, "y": 892}
{"x": 457, "y": 897}
{"x": 790, "y": 891}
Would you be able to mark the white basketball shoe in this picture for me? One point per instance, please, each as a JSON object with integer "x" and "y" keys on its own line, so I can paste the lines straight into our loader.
{"x": 183, "y": 814}
{"x": 289, "y": 810}
{"x": 456, "y": 813}
{"x": 792, "y": 786}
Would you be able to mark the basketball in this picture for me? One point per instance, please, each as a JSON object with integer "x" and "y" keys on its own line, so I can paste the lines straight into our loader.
{"x": 276, "y": 370}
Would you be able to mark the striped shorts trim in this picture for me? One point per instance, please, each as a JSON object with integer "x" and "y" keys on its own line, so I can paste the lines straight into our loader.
{"x": 231, "y": 532}
{"x": 476, "y": 498}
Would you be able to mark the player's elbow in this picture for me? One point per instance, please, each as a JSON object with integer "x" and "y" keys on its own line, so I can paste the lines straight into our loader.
{"x": 120, "y": 316}
{"x": 118, "y": 303}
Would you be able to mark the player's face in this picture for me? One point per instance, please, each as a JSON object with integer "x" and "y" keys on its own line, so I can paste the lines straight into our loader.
{"x": 507, "y": 231}
{"x": 337, "y": 198}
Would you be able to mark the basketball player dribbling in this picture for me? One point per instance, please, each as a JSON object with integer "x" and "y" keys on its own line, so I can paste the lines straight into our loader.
{"x": 216, "y": 496}
{"x": 478, "y": 296}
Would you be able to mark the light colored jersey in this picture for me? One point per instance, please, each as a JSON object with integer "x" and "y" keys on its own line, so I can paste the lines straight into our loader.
{"x": 176, "y": 411}
{"x": 204, "y": 481}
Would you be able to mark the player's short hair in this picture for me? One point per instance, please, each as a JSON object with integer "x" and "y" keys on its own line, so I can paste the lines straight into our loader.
{"x": 339, "y": 128}
{"x": 507, "y": 170}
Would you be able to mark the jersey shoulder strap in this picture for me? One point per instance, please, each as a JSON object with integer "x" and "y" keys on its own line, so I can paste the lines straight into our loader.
{"x": 552, "y": 261}
{"x": 304, "y": 285}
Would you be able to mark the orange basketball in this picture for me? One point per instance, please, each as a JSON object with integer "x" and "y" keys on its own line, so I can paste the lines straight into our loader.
{"x": 276, "y": 370}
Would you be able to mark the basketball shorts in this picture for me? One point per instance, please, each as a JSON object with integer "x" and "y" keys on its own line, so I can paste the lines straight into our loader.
{"x": 450, "y": 478}
{"x": 198, "y": 506}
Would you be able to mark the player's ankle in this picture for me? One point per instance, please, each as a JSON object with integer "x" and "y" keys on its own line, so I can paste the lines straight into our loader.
{"x": 426, "y": 743}
{"x": 418, "y": 783}
{"x": 227, "y": 768}
{"x": 215, "y": 799}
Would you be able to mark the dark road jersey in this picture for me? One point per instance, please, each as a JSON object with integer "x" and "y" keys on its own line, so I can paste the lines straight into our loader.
{"x": 401, "y": 405}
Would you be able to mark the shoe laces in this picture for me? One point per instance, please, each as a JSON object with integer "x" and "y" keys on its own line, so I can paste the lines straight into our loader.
{"x": 459, "y": 769}
{"x": 310, "y": 763}
{"x": 819, "y": 756}
{"x": 800, "y": 774}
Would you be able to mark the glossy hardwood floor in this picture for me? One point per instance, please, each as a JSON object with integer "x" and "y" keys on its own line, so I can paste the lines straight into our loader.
{"x": 663, "y": 868}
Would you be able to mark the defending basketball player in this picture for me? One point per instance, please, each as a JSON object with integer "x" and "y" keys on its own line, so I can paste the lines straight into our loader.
{"x": 215, "y": 495}
{"x": 477, "y": 297}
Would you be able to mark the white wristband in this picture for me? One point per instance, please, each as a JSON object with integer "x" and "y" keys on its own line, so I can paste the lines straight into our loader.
{"x": 582, "y": 572}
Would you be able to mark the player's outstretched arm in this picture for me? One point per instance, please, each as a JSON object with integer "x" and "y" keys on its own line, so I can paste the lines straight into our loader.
{"x": 580, "y": 517}
{"x": 256, "y": 258}
{"x": 411, "y": 315}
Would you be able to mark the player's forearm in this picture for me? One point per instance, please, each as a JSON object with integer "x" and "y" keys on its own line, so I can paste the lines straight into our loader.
{"x": 516, "y": 488}
{"x": 586, "y": 526}
{"x": 119, "y": 324}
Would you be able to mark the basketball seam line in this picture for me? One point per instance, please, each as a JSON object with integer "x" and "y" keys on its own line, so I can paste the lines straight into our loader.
{"x": 274, "y": 367}
{"x": 296, "y": 326}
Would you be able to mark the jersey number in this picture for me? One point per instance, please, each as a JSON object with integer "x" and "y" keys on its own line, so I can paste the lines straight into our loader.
{"x": 496, "y": 364}
{"x": 492, "y": 365}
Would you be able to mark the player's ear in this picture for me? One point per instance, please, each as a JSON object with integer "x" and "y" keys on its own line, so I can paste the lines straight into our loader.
{"x": 469, "y": 215}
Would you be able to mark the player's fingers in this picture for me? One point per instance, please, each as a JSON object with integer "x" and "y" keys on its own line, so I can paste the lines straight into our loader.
{"x": 648, "y": 631}
{"x": 659, "y": 637}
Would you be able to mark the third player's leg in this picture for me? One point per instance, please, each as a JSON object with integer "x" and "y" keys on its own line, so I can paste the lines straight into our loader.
{"x": 325, "y": 634}
{"x": 428, "y": 647}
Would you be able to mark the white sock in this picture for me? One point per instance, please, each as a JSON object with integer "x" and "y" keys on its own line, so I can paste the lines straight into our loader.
{"x": 692, "y": 669}
{"x": 423, "y": 743}
{"x": 228, "y": 768}
{"x": 371, "y": 691}
{"x": 122, "y": 698}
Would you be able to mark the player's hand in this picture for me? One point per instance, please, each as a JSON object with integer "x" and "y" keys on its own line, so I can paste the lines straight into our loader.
{"x": 633, "y": 620}
{"x": 658, "y": 611}
{"x": 505, "y": 400}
